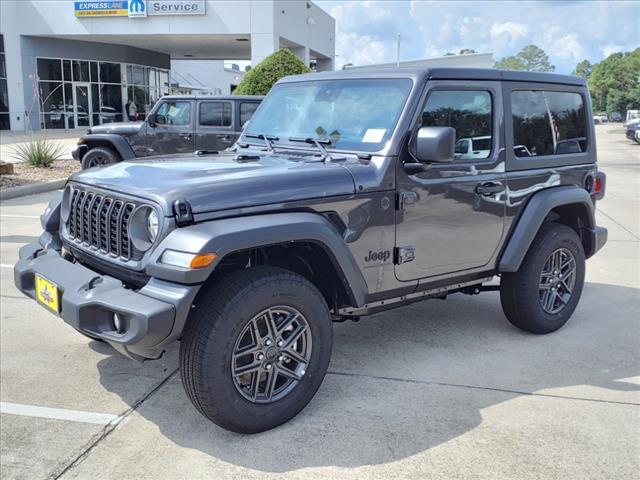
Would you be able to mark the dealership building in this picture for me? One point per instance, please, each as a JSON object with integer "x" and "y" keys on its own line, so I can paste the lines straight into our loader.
{"x": 68, "y": 64}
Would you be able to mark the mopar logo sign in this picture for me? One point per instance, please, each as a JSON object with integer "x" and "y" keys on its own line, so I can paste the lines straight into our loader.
{"x": 137, "y": 8}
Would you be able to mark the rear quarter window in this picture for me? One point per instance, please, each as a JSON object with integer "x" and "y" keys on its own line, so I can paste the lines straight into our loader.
{"x": 548, "y": 123}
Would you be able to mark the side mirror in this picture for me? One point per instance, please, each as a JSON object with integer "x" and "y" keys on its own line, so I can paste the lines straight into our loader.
{"x": 151, "y": 120}
{"x": 436, "y": 144}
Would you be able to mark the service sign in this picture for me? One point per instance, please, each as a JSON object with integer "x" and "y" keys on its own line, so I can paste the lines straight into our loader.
{"x": 175, "y": 7}
{"x": 119, "y": 8}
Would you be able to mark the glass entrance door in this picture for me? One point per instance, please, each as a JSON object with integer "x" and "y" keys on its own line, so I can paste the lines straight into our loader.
{"x": 82, "y": 104}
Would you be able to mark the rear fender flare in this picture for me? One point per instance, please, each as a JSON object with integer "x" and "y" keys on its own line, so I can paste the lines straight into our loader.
{"x": 534, "y": 215}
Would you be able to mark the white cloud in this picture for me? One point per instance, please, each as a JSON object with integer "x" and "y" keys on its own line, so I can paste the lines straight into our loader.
{"x": 508, "y": 33}
{"x": 610, "y": 48}
{"x": 354, "y": 43}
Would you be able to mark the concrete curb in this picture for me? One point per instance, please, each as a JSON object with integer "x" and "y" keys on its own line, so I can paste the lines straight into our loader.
{"x": 24, "y": 190}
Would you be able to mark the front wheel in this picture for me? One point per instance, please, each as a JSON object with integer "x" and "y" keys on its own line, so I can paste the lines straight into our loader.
{"x": 541, "y": 297}
{"x": 256, "y": 348}
{"x": 99, "y": 157}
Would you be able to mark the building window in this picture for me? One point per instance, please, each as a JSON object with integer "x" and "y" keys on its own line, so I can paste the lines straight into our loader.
{"x": 49, "y": 69}
{"x": 60, "y": 87}
{"x": 4, "y": 90}
{"x": 110, "y": 72}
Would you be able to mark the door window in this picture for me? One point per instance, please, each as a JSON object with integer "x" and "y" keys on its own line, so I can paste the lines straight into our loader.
{"x": 215, "y": 114}
{"x": 469, "y": 112}
{"x": 548, "y": 123}
{"x": 246, "y": 112}
{"x": 174, "y": 113}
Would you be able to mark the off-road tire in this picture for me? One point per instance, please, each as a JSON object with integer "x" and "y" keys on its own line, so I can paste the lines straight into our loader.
{"x": 99, "y": 156}
{"x": 519, "y": 292}
{"x": 222, "y": 310}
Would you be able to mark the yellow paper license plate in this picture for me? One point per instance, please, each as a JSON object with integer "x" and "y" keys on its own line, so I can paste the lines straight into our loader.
{"x": 47, "y": 293}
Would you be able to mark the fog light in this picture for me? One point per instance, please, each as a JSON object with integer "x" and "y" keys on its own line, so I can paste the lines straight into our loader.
{"x": 118, "y": 323}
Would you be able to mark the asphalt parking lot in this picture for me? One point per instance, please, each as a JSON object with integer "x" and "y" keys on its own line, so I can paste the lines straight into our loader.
{"x": 433, "y": 390}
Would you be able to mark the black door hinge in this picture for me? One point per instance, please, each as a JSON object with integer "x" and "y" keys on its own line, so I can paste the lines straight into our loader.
{"x": 405, "y": 199}
{"x": 404, "y": 254}
{"x": 182, "y": 213}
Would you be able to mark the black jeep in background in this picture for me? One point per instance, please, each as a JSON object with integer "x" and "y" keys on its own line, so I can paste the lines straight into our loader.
{"x": 176, "y": 124}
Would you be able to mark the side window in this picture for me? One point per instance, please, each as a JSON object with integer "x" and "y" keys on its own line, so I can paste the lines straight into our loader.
{"x": 215, "y": 114}
{"x": 548, "y": 123}
{"x": 246, "y": 112}
{"x": 174, "y": 113}
{"x": 469, "y": 112}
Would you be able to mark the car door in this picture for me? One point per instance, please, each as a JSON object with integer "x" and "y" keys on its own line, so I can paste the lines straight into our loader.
{"x": 214, "y": 130}
{"x": 450, "y": 216}
{"x": 172, "y": 131}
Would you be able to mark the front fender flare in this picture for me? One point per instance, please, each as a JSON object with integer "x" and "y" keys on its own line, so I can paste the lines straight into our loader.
{"x": 118, "y": 142}
{"x": 533, "y": 216}
{"x": 227, "y": 236}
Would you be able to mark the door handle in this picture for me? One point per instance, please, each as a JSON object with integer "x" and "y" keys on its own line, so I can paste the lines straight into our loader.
{"x": 224, "y": 136}
{"x": 489, "y": 188}
{"x": 185, "y": 135}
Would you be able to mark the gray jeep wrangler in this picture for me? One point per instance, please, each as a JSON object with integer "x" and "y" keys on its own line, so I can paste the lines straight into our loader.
{"x": 176, "y": 124}
{"x": 343, "y": 197}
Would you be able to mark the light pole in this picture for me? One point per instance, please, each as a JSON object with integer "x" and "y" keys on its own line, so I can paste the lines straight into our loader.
{"x": 397, "y": 50}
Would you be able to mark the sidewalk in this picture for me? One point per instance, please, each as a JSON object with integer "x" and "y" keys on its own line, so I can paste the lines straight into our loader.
{"x": 67, "y": 139}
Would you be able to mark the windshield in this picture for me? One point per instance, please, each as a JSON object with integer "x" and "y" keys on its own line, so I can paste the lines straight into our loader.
{"x": 354, "y": 114}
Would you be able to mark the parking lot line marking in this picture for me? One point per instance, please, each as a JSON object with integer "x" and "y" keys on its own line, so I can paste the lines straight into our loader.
{"x": 10, "y": 215}
{"x": 57, "y": 413}
{"x": 5, "y": 265}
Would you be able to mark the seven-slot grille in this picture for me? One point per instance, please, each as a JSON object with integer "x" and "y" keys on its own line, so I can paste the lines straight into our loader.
{"x": 101, "y": 222}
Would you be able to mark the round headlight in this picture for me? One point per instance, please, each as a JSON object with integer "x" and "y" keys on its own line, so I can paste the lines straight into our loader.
{"x": 144, "y": 226}
{"x": 153, "y": 224}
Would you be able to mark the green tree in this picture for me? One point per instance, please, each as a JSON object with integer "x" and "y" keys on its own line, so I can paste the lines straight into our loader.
{"x": 615, "y": 82}
{"x": 531, "y": 58}
{"x": 260, "y": 79}
{"x": 583, "y": 69}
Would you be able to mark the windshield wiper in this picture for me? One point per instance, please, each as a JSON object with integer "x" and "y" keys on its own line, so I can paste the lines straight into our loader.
{"x": 267, "y": 139}
{"x": 318, "y": 142}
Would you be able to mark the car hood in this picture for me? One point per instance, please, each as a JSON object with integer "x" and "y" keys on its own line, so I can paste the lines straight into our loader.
{"x": 222, "y": 181}
{"x": 119, "y": 128}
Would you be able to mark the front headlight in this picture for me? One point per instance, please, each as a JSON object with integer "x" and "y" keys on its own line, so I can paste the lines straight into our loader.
{"x": 153, "y": 224}
{"x": 144, "y": 226}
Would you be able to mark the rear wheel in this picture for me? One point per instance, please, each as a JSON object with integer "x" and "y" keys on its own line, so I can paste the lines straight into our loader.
{"x": 99, "y": 156}
{"x": 256, "y": 348}
{"x": 543, "y": 294}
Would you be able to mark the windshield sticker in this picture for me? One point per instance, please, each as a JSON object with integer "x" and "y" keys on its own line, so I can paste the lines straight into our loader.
{"x": 374, "y": 135}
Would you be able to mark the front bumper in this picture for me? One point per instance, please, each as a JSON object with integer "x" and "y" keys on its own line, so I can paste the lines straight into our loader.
{"x": 153, "y": 316}
{"x": 79, "y": 152}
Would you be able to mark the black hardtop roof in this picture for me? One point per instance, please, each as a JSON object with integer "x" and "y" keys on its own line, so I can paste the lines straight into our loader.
{"x": 213, "y": 97}
{"x": 441, "y": 74}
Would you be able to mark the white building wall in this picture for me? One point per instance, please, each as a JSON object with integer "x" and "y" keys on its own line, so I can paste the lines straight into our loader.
{"x": 206, "y": 76}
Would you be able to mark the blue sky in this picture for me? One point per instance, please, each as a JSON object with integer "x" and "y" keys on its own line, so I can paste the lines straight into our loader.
{"x": 568, "y": 31}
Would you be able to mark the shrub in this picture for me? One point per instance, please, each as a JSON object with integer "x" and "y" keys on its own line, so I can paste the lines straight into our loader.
{"x": 39, "y": 151}
{"x": 260, "y": 79}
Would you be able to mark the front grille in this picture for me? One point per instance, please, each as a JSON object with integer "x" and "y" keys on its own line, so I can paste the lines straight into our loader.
{"x": 102, "y": 223}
